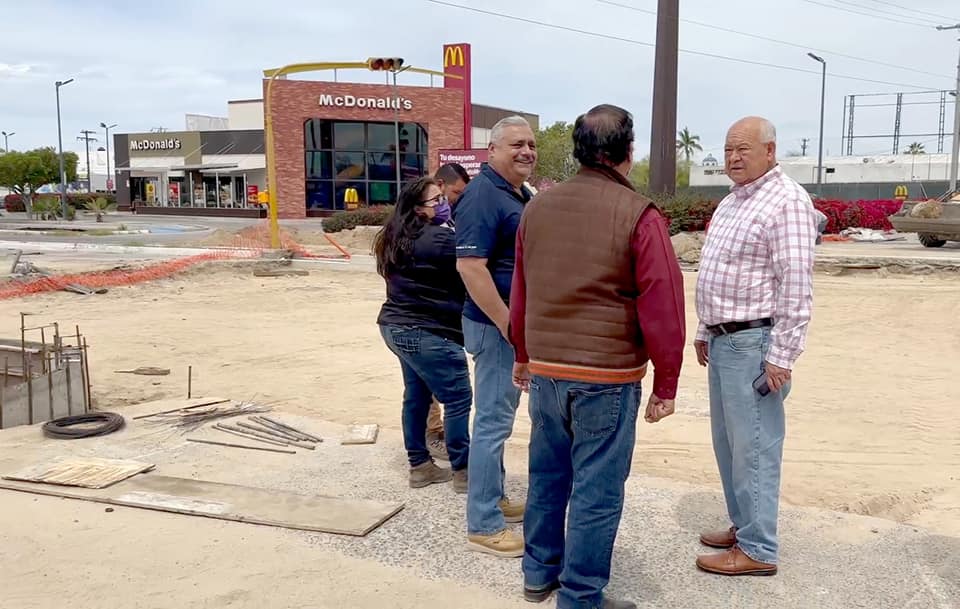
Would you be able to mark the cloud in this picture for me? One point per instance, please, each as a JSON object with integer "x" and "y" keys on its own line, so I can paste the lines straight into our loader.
{"x": 14, "y": 70}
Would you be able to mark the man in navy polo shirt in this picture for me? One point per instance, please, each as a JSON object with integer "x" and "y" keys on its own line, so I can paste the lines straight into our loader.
{"x": 487, "y": 217}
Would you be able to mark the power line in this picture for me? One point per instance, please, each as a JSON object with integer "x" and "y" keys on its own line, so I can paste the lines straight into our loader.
{"x": 651, "y": 45}
{"x": 883, "y": 12}
{"x": 914, "y": 10}
{"x": 777, "y": 41}
{"x": 881, "y": 17}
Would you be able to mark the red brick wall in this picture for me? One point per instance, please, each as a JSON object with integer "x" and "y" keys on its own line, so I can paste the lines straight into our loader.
{"x": 439, "y": 111}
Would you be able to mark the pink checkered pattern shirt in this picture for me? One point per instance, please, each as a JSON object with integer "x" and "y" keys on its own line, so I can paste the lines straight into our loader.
{"x": 757, "y": 262}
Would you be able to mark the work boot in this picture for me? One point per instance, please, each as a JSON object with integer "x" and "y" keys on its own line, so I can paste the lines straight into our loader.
{"x": 538, "y": 595}
{"x": 505, "y": 544}
{"x": 460, "y": 481}
{"x": 609, "y": 603}
{"x": 437, "y": 447}
{"x": 512, "y": 512}
{"x": 428, "y": 473}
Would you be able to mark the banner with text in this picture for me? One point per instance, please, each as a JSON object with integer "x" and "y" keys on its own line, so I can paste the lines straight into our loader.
{"x": 470, "y": 159}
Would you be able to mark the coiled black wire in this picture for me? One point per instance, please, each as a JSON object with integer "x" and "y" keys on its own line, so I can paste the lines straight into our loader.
{"x": 64, "y": 427}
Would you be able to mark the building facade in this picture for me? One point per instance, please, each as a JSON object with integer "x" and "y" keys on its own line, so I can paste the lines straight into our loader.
{"x": 847, "y": 177}
{"x": 331, "y": 137}
{"x": 191, "y": 172}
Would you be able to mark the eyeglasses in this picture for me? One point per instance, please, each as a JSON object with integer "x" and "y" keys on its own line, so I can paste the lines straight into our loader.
{"x": 437, "y": 200}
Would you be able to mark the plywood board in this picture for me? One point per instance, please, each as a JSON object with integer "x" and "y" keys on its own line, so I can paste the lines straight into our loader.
{"x": 361, "y": 434}
{"x": 269, "y": 507}
{"x": 88, "y": 472}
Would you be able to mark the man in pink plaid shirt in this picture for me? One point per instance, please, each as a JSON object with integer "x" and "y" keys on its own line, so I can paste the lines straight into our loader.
{"x": 754, "y": 301}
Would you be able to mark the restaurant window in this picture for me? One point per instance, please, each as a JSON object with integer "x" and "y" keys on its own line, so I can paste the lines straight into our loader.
{"x": 339, "y": 155}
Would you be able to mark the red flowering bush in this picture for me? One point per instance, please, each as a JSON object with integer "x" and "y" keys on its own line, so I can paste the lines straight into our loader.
{"x": 13, "y": 202}
{"x": 857, "y": 214}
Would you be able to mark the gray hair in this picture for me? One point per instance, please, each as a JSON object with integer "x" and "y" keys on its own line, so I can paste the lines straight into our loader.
{"x": 511, "y": 121}
{"x": 768, "y": 132}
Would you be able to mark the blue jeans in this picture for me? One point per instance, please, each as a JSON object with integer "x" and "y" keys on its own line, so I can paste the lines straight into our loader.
{"x": 581, "y": 448}
{"x": 432, "y": 366}
{"x": 496, "y": 409}
{"x": 748, "y": 431}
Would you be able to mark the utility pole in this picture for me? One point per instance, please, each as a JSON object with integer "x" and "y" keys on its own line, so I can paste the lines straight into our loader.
{"x": 663, "y": 134}
{"x": 955, "y": 159}
{"x": 803, "y": 146}
{"x": 87, "y": 138}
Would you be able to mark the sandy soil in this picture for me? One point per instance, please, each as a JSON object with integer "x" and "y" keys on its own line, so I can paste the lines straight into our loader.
{"x": 872, "y": 425}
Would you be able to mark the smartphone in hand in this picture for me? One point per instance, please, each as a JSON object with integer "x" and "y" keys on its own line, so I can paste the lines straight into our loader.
{"x": 760, "y": 384}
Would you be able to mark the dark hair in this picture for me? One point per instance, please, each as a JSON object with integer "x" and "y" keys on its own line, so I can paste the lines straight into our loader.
{"x": 394, "y": 242}
{"x": 451, "y": 172}
{"x": 602, "y": 136}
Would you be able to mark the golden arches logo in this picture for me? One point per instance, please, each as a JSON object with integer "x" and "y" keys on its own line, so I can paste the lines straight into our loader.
{"x": 453, "y": 56}
{"x": 351, "y": 198}
{"x": 900, "y": 192}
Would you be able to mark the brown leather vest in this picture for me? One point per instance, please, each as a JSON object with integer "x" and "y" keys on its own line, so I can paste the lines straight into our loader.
{"x": 579, "y": 270}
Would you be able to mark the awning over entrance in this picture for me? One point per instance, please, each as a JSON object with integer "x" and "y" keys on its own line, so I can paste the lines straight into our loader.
{"x": 169, "y": 168}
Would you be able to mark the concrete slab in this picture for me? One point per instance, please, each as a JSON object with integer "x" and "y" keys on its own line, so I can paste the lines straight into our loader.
{"x": 829, "y": 560}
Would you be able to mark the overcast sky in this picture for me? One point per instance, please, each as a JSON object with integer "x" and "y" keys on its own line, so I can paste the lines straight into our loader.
{"x": 146, "y": 64}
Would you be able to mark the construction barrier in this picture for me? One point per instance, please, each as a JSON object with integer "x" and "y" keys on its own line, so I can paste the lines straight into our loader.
{"x": 249, "y": 243}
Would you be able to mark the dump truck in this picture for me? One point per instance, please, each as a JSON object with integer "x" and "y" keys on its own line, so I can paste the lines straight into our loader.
{"x": 935, "y": 221}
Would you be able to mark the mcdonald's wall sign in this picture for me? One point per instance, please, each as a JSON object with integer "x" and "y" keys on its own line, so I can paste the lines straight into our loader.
{"x": 900, "y": 192}
{"x": 457, "y": 61}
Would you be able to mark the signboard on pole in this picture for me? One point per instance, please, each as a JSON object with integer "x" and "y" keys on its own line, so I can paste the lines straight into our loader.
{"x": 456, "y": 61}
{"x": 470, "y": 159}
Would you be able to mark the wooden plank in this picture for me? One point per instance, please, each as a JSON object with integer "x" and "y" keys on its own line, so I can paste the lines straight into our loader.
{"x": 269, "y": 507}
{"x": 87, "y": 472}
{"x": 361, "y": 434}
{"x": 280, "y": 273}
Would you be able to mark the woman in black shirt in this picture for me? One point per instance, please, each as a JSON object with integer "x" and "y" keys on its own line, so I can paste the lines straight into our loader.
{"x": 420, "y": 323}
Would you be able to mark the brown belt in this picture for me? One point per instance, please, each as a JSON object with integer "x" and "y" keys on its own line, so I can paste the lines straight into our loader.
{"x": 731, "y": 327}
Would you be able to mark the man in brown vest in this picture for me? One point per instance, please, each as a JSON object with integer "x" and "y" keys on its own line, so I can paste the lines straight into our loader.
{"x": 597, "y": 292}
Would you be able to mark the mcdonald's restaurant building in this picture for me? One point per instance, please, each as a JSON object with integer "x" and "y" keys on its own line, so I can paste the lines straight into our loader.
{"x": 340, "y": 145}
{"x": 335, "y": 141}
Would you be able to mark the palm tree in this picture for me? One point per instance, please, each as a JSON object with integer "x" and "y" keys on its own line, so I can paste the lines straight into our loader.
{"x": 687, "y": 144}
{"x": 916, "y": 148}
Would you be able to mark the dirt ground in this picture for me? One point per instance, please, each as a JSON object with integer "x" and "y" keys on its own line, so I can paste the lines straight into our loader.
{"x": 872, "y": 421}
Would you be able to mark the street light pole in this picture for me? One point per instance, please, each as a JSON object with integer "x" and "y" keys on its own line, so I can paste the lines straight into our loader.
{"x": 63, "y": 173}
{"x": 6, "y": 139}
{"x": 955, "y": 159}
{"x": 823, "y": 99}
{"x": 107, "y": 129}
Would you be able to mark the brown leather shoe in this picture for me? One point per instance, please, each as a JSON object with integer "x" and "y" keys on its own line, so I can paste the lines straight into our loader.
{"x": 720, "y": 539}
{"x": 734, "y": 562}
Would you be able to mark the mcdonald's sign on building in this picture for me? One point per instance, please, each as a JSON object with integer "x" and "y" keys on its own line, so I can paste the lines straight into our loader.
{"x": 456, "y": 61}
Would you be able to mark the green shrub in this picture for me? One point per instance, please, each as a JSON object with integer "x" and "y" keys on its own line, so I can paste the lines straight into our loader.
{"x": 48, "y": 208}
{"x": 687, "y": 211}
{"x": 365, "y": 216}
